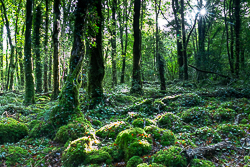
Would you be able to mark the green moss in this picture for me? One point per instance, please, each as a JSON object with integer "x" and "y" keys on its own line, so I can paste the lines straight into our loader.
{"x": 201, "y": 163}
{"x": 134, "y": 142}
{"x": 111, "y": 130}
{"x": 170, "y": 121}
{"x": 151, "y": 165}
{"x": 134, "y": 161}
{"x": 13, "y": 154}
{"x": 244, "y": 121}
{"x": 170, "y": 157}
{"x": 42, "y": 128}
{"x": 164, "y": 137}
{"x": 77, "y": 152}
{"x": 96, "y": 122}
{"x": 206, "y": 135}
{"x": 223, "y": 114}
{"x": 98, "y": 156}
{"x": 187, "y": 100}
{"x": 12, "y": 130}
{"x": 74, "y": 130}
{"x": 198, "y": 116}
{"x": 140, "y": 122}
{"x": 116, "y": 153}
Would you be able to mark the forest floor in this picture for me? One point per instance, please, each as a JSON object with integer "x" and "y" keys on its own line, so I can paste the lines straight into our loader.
{"x": 186, "y": 125}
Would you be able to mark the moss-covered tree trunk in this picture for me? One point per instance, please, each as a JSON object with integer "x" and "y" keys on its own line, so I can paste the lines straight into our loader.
{"x": 96, "y": 66}
{"x": 113, "y": 43}
{"x": 1, "y": 56}
{"x": 56, "y": 29}
{"x": 45, "y": 66}
{"x": 10, "y": 77}
{"x": 136, "y": 78}
{"x": 69, "y": 97}
{"x": 237, "y": 37}
{"x": 29, "y": 84}
{"x": 37, "y": 50}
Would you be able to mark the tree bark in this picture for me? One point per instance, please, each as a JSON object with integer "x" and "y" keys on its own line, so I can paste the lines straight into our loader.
{"x": 37, "y": 50}
{"x": 96, "y": 68}
{"x": 184, "y": 42}
{"x": 56, "y": 29}
{"x": 68, "y": 107}
{"x": 136, "y": 77}
{"x": 113, "y": 43}
{"x": 237, "y": 35}
{"x": 45, "y": 66}
{"x": 1, "y": 57}
{"x": 29, "y": 84}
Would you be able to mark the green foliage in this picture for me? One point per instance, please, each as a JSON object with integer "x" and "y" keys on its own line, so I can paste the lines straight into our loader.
{"x": 170, "y": 121}
{"x": 164, "y": 137}
{"x": 134, "y": 161}
{"x": 206, "y": 135}
{"x": 116, "y": 153}
{"x": 141, "y": 123}
{"x": 224, "y": 114}
{"x": 201, "y": 163}
{"x": 12, "y": 130}
{"x": 134, "y": 142}
{"x": 198, "y": 116}
{"x": 13, "y": 154}
{"x": 42, "y": 129}
{"x": 187, "y": 100}
{"x": 244, "y": 121}
{"x": 151, "y": 165}
{"x": 74, "y": 130}
{"x": 96, "y": 122}
{"x": 111, "y": 130}
{"x": 231, "y": 132}
{"x": 170, "y": 157}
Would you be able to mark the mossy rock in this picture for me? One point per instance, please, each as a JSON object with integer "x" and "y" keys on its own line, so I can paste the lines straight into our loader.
{"x": 77, "y": 152}
{"x": 164, "y": 137}
{"x": 134, "y": 161}
{"x": 151, "y": 165}
{"x": 198, "y": 116}
{"x": 241, "y": 105}
{"x": 231, "y": 132}
{"x": 134, "y": 142}
{"x": 74, "y": 130}
{"x": 42, "y": 129}
{"x": 170, "y": 121}
{"x": 98, "y": 157}
{"x": 14, "y": 155}
{"x": 96, "y": 122}
{"x": 145, "y": 106}
{"x": 201, "y": 163}
{"x": 12, "y": 130}
{"x": 116, "y": 153}
{"x": 223, "y": 114}
{"x": 187, "y": 100}
{"x": 111, "y": 130}
{"x": 206, "y": 135}
{"x": 170, "y": 157}
{"x": 141, "y": 123}
{"x": 133, "y": 116}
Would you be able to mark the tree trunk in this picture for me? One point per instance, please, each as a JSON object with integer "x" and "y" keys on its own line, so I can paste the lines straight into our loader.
{"x": 56, "y": 29}
{"x": 29, "y": 84}
{"x": 113, "y": 43}
{"x": 1, "y": 57}
{"x": 158, "y": 55}
{"x": 175, "y": 6}
{"x": 69, "y": 98}
{"x": 136, "y": 77}
{"x": 184, "y": 42}
{"x": 10, "y": 77}
{"x": 121, "y": 22}
{"x": 37, "y": 50}
{"x": 45, "y": 66}
{"x": 232, "y": 36}
{"x": 96, "y": 68}
{"x": 237, "y": 35}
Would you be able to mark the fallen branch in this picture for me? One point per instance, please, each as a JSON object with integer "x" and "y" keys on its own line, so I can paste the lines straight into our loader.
{"x": 210, "y": 72}
{"x": 202, "y": 151}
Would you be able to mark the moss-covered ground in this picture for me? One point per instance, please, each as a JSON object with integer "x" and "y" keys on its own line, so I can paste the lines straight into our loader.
{"x": 153, "y": 129}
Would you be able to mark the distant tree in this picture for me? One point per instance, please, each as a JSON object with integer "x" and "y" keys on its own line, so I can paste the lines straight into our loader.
{"x": 45, "y": 66}
{"x": 37, "y": 26}
{"x": 56, "y": 30}
{"x": 237, "y": 36}
{"x": 1, "y": 55}
{"x": 29, "y": 84}
{"x": 136, "y": 77}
